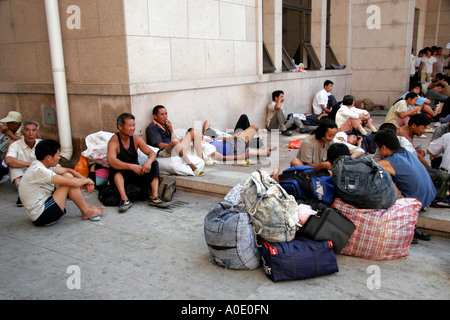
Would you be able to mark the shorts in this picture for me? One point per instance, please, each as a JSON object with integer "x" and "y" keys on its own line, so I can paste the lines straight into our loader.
{"x": 130, "y": 177}
{"x": 51, "y": 214}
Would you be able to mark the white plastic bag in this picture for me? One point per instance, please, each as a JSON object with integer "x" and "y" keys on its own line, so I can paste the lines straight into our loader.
{"x": 97, "y": 147}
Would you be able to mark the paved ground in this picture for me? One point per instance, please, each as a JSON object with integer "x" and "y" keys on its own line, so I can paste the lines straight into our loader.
{"x": 152, "y": 254}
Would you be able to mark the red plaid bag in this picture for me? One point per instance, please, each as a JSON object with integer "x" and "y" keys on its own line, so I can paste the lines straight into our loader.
{"x": 381, "y": 233}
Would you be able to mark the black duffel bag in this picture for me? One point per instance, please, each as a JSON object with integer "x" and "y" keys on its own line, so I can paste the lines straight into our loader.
{"x": 328, "y": 224}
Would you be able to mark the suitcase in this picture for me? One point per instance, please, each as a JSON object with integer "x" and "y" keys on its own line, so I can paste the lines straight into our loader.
{"x": 299, "y": 259}
{"x": 328, "y": 224}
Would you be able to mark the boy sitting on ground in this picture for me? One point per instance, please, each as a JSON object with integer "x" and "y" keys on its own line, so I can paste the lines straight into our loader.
{"x": 44, "y": 188}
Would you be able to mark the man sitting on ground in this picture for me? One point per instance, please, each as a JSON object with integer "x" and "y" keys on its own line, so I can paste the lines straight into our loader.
{"x": 320, "y": 101}
{"x": 21, "y": 154}
{"x": 45, "y": 187}
{"x": 440, "y": 78}
{"x": 416, "y": 127}
{"x": 441, "y": 145}
{"x": 409, "y": 176}
{"x": 313, "y": 151}
{"x": 404, "y": 143}
{"x": 275, "y": 117}
{"x": 160, "y": 134}
{"x": 436, "y": 97}
{"x": 124, "y": 165}
{"x": 10, "y": 131}
{"x": 348, "y": 117}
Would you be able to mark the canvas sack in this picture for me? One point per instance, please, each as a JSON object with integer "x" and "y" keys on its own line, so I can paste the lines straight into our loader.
{"x": 230, "y": 238}
{"x": 273, "y": 211}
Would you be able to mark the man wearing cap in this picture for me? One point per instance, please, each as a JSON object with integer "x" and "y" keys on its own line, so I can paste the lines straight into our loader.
{"x": 21, "y": 154}
{"x": 10, "y": 128}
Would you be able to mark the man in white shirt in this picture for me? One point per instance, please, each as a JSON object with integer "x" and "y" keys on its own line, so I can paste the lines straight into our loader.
{"x": 320, "y": 101}
{"x": 45, "y": 187}
{"x": 441, "y": 145}
{"x": 21, "y": 154}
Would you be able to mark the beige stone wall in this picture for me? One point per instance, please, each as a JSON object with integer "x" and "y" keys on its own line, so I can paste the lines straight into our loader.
{"x": 223, "y": 104}
{"x": 437, "y": 31}
{"x": 380, "y": 57}
{"x": 199, "y": 58}
{"x": 189, "y": 39}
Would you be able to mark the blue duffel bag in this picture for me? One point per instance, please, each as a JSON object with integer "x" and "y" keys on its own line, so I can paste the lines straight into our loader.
{"x": 299, "y": 259}
{"x": 305, "y": 182}
{"x": 230, "y": 238}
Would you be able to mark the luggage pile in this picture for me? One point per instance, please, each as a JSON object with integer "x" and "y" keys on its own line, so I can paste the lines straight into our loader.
{"x": 294, "y": 228}
{"x": 257, "y": 224}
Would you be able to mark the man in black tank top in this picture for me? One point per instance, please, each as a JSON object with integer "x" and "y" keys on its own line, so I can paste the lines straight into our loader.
{"x": 124, "y": 165}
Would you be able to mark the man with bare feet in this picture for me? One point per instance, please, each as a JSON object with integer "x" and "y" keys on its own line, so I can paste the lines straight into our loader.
{"x": 44, "y": 188}
{"x": 160, "y": 134}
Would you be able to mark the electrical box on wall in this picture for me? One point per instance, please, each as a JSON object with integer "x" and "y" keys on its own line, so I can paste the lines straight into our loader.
{"x": 49, "y": 116}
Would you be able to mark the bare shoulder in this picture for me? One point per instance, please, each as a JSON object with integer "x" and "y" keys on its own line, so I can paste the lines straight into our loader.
{"x": 113, "y": 143}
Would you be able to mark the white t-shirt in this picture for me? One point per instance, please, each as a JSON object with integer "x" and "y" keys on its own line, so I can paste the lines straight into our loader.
{"x": 271, "y": 111}
{"x": 442, "y": 145}
{"x": 21, "y": 151}
{"x": 321, "y": 98}
{"x": 344, "y": 113}
{"x": 413, "y": 65}
{"x": 428, "y": 64}
{"x": 35, "y": 188}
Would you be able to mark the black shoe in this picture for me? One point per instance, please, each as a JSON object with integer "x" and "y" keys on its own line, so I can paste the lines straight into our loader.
{"x": 421, "y": 235}
{"x": 19, "y": 202}
{"x": 125, "y": 205}
{"x": 286, "y": 133}
{"x": 158, "y": 202}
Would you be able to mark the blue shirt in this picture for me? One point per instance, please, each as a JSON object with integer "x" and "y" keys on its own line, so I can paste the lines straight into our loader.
{"x": 420, "y": 100}
{"x": 411, "y": 177}
{"x": 223, "y": 147}
{"x": 156, "y": 135}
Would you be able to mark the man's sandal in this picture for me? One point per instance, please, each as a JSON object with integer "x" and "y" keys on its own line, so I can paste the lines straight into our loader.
{"x": 199, "y": 173}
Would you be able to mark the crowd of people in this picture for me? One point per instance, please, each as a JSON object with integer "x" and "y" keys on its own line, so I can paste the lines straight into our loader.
{"x": 408, "y": 119}
{"x": 43, "y": 186}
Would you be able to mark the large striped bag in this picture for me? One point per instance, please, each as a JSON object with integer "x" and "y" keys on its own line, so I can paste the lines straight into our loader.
{"x": 381, "y": 233}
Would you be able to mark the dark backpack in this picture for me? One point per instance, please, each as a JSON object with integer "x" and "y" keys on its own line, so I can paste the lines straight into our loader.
{"x": 305, "y": 182}
{"x": 362, "y": 183}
